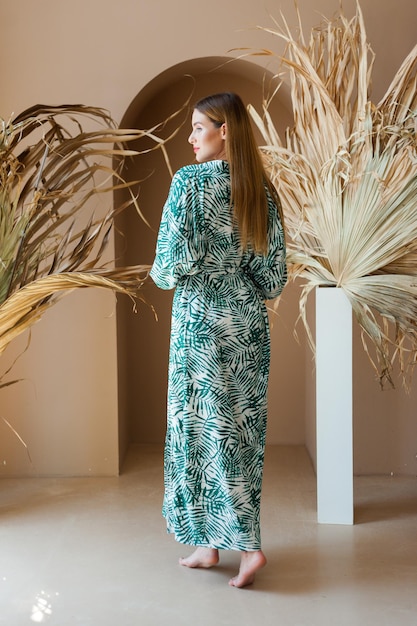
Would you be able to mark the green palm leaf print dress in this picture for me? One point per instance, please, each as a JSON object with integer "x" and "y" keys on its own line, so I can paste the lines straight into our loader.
{"x": 219, "y": 360}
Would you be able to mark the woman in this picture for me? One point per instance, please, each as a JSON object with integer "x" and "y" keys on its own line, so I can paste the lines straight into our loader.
{"x": 221, "y": 245}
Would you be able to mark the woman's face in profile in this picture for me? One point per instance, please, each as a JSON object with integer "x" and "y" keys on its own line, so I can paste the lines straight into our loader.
{"x": 207, "y": 140}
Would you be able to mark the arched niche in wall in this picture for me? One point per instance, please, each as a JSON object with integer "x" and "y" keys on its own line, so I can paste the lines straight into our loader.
{"x": 143, "y": 337}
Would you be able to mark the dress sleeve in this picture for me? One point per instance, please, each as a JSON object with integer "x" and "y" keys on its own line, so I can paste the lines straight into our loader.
{"x": 177, "y": 248}
{"x": 269, "y": 272}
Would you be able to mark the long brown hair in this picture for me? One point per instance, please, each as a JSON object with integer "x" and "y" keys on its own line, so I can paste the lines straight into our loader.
{"x": 247, "y": 174}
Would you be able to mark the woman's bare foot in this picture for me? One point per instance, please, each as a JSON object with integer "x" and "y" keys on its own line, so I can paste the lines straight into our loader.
{"x": 250, "y": 563}
{"x": 202, "y": 557}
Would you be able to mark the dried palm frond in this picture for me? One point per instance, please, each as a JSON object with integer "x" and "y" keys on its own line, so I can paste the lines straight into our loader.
{"x": 28, "y": 303}
{"x": 58, "y": 164}
{"x": 347, "y": 175}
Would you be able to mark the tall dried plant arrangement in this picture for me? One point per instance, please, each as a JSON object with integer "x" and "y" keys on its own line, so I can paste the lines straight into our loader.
{"x": 347, "y": 175}
{"x": 54, "y": 176}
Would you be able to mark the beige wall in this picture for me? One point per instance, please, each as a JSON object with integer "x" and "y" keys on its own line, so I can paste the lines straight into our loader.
{"x": 108, "y": 53}
{"x": 65, "y": 405}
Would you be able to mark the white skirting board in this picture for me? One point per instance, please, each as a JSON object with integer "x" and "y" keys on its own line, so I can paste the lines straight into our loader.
{"x": 334, "y": 407}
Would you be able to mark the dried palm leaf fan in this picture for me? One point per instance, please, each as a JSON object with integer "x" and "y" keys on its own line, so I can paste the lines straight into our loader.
{"x": 53, "y": 175}
{"x": 347, "y": 175}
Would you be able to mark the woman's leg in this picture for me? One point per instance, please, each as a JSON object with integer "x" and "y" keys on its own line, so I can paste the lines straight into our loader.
{"x": 250, "y": 563}
{"x": 201, "y": 557}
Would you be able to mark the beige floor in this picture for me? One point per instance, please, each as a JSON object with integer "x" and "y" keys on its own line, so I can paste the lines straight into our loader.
{"x": 95, "y": 552}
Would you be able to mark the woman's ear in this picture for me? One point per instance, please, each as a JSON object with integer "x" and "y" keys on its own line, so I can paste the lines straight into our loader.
{"x": 224, "y": 130}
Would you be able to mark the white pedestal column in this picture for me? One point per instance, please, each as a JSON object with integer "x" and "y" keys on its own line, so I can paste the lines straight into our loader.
{"x": 334, "y": 407}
